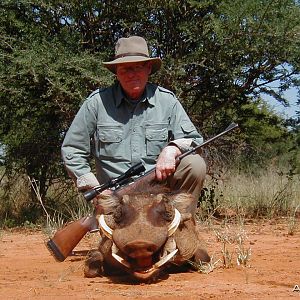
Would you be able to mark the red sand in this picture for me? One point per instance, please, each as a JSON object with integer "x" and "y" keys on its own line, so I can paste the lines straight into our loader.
{"x": 28, "y": 271}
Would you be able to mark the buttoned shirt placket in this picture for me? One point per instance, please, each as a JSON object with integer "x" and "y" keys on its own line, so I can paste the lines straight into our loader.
{"x": 137, "y": 128}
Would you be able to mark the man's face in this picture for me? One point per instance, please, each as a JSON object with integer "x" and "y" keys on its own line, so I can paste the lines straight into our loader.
{"x": 133, "y": 78}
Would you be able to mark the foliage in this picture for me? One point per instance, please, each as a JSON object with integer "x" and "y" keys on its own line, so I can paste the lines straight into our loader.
{"x": 219, "y": 56}
{"x": 42, "y": 83}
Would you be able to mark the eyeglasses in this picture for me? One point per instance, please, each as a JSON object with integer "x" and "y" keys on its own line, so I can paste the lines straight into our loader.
{"x": 134, "y": 69}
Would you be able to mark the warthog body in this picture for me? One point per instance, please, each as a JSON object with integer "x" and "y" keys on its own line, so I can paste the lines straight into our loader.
{"x": 144, "y": 233}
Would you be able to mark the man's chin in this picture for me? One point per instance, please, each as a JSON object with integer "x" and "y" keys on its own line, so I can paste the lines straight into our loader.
{"x": 136, "y": 92}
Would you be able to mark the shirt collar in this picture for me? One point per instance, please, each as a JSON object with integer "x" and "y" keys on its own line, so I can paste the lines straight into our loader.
{"x": 120, "y": 96}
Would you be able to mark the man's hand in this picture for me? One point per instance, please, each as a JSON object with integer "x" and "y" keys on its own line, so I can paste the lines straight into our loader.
{"x": 166, "y": 162}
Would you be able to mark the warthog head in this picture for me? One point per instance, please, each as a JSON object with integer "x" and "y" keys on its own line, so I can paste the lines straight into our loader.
{"x": 145, "y": 232}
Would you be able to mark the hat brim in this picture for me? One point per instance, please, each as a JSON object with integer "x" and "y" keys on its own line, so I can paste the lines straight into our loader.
{"x": 112, "y": 65}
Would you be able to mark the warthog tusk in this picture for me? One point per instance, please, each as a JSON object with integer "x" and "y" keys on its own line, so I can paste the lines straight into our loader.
{"x": 165, "y": 259}
{"x": 114, "y": 248}
{"x": 125, "y": 263}
{"x": 121, "y": 260}
{"x": 157, "y": 265}
{"x": 171, "y": 228}
{"x": 175, "y": 223}
{"x": 104, "y": 227}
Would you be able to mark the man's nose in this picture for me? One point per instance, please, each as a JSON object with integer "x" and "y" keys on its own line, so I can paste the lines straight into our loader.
{"x": 131, "y": 73}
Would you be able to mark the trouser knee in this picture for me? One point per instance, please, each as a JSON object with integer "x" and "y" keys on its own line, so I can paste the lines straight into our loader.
{"x": 195, "y": 166}
{"x": 189, "y": 175}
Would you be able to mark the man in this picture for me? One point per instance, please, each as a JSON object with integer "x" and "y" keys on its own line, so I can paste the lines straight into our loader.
{"x": 133, "y": 120}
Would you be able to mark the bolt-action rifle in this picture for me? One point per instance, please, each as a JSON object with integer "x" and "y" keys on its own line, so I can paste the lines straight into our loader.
{"x": 66, "y": 239}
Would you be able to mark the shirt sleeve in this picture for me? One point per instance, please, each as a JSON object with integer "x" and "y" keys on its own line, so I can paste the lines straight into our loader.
{"x": 185, "y": 133}
{"x": 76, "y": 147}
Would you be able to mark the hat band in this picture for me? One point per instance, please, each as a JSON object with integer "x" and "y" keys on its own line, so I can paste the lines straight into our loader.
{"x": 131, "y": 54}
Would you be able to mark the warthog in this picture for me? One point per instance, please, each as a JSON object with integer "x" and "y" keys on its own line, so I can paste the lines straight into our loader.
{"x": 144, "y": 233}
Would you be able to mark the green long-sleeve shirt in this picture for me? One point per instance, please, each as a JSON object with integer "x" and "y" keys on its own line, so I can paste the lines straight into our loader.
{"x": 119, "y": 133}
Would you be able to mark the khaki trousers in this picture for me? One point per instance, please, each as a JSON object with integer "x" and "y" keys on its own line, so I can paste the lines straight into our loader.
{"x": 189, "y": 176}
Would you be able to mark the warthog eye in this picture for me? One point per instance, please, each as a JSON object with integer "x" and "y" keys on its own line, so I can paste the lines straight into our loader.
{"x": 124, "y": 215}
{"x": 118, "y": 214}
{"x": 159, "y": 214}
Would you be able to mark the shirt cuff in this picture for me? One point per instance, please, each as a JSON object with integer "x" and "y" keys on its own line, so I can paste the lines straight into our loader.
{"x": 184, "y": 145}
{"x": 87, "y": 181}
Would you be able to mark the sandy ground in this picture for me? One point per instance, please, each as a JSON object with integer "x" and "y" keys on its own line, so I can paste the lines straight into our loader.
{"x": 28, "y": 271}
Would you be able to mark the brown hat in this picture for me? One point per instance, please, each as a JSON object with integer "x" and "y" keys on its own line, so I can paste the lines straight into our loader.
{"x": 132, "y": 49}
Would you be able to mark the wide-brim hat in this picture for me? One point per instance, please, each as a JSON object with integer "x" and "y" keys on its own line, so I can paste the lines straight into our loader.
{"x": 132, "y": 49}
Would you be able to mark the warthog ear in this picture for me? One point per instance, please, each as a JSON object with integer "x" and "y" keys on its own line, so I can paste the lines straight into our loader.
{"x": 186, "y": 204}
{"x": 170, "y": 213}
{"x": 125, "y": 199}
{"x": 162, "y": 197}
{"x": 108, "y": 203}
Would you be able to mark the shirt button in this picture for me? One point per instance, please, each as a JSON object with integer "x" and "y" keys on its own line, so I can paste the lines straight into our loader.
{"x": 69, "y": 156}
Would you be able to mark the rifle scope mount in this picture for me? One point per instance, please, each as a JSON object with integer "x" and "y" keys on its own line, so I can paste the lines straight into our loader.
{"x": 133, "y": 171}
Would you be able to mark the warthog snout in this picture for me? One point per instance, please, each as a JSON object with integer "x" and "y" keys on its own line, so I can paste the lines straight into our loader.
{"x": 137, "y": 249}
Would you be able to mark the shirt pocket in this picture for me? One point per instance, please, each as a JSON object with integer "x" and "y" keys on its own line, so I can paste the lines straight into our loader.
{"x": 187, "y": 127}
{"x": 156, "y": 139}
{"x": 110, "y": 141}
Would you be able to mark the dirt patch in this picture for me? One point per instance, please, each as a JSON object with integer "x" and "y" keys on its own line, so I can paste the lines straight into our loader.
{"x": 28, "y": 271}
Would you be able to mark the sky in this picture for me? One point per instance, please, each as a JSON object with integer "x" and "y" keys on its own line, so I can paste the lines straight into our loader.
{"x": 287, "y": 112}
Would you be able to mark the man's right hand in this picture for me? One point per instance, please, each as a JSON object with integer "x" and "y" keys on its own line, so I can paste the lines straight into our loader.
{"x": 166, "y": 162}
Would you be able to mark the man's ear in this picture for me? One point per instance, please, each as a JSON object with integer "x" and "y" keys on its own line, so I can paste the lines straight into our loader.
{"x": 116, "y": 74}
{"x": 149, "y": 66}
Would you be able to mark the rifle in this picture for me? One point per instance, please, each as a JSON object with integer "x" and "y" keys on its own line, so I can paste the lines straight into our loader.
{"x": 67, "y": 238}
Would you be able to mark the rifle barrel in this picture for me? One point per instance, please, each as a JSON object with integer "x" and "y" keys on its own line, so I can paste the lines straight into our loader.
{"x": 139, "y": 168}
{"x": 229, "y": 128}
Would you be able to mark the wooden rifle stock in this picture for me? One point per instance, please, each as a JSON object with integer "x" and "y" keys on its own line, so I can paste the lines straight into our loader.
{"x": 66, "y": 239}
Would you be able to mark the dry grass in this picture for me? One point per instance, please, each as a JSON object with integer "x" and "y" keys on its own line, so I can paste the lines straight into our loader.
{"x": 21, "y": 204}
{"x": 292, "y": 221}
{"x": 232, "y": 199}
{"x": 269, "y": 194}
{"x": 204, "y": 267}
{"x": 235, "y": 249}
{"x": 227, "y": 196}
